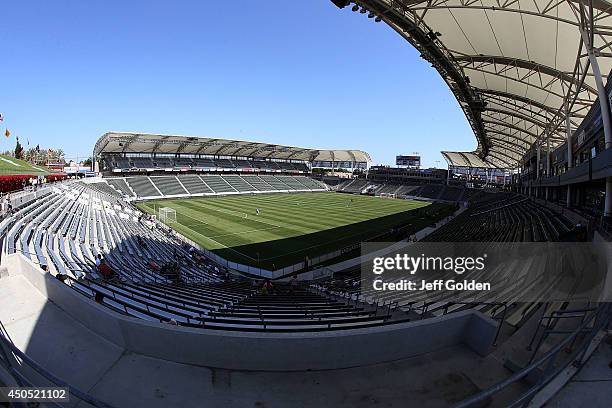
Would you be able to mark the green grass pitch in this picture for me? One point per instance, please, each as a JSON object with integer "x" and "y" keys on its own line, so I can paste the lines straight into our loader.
{"x": 289, "y": 226}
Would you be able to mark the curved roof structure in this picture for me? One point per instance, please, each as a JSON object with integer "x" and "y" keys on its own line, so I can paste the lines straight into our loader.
{"x": 517, "y": 68}
{"x": 127, "y": 142}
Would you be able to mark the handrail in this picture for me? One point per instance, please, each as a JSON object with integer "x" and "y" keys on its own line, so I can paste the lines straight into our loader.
{"x": 496, "y": 306}
{"x": 548, "y": 358}
{"x": 6, "y": 341}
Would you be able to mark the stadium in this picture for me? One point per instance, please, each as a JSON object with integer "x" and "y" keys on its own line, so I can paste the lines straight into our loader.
{"x": 186, "y": 270}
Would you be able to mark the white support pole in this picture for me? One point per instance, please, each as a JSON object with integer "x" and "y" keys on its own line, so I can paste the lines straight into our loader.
{"x": 538, "y": 161}
{"x": 570, "y": 159}
{"x": 548, "y": 156}
{"x": 604, "y": 105}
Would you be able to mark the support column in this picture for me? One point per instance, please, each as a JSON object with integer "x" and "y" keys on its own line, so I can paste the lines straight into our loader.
{"x": 538, "y": 161}
{"x": 604, "y": 105}
{"x": 548, "y": 156}
{"x": 570, "y": 158}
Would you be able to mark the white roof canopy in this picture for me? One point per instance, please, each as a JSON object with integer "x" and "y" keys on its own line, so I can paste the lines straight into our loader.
{"x": 127, "y": 142}
{"x": 515, "y": 66}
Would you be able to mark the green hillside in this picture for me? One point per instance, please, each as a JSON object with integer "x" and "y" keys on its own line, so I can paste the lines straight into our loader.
{"x": 11, "y": 166}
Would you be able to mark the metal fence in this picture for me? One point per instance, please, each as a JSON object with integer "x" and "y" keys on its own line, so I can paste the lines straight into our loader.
{"x": 551, "y": 363}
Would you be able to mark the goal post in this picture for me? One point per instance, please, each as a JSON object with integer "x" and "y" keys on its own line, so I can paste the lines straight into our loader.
{"x": 167, "y": 215}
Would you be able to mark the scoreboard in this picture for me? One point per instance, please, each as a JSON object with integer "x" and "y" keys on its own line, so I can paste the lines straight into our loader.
{"x": 408, "y": 161}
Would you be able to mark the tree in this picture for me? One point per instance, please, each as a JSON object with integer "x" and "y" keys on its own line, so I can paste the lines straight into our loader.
{"x": 87, "y": 162}
{"x": 18, "y": 150}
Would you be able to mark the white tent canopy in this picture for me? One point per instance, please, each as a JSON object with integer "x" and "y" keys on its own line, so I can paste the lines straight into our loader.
{"x": 517, "y": 68}
{"x": 144, "y": 143}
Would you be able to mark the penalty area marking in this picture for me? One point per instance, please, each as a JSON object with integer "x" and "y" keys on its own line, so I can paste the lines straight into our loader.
{"x": 214, "y": 240}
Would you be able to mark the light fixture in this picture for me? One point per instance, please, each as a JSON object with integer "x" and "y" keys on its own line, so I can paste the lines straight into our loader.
{"x": 378, "y": 19}
{"x": 371, "y": 15}
{"x": 363, "y": 10}
{"x": 355, "y": 7}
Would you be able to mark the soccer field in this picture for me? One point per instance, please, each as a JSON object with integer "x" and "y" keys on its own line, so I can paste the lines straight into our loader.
{"x": 289, "y": 227}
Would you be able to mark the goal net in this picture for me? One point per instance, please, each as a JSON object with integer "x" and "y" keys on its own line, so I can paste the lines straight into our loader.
{"x": 167, "y": 215}
{"x": 387, "y": 195}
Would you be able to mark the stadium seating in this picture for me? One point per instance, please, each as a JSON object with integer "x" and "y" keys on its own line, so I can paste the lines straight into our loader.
{"x": 195, "y": 185}
{"x": 121, "y": 186}
{"x": 451, "y": 193}
{"x": 431, "y": 190}
{"x": 218, "y": 184}
{"x": 258, "y": 183}
{"x": 493, "y": 217}
{"x": 204, "y": 163}
{"x": 185, "y": 185}
{"x": 239, "y": 184}
{"x": 503, "y": 218}
{"x": 275, "y": 182}
{"x": 353, "y": 186}
{"x": 143, "y": 186}
{"x": 166, "y": 163}
{"x": 67, "y": 227}
{"x": 169, "y": 185}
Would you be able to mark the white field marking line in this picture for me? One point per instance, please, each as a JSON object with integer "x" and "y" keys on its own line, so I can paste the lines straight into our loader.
{"x": 312, "y": 246}
{"x": 261, "y": 259}
{"x": 235, "y": 233}
{"x": 358, "y": 208}
{"x": 242, "y": 254}
{"x": 232, "y": 212}
{"x": 359, "y": 211}
{"x": 349, "y": 222}
{"x": 213, "y": 240}
{"x": 12, "y": 163}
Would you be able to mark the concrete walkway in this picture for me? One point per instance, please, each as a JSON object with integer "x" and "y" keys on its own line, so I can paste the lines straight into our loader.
{"x": 592, "y": 386}
{"x": 77, "y": 355}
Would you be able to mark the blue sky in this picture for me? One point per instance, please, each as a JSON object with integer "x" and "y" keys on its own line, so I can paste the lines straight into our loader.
{"x": 292, "y": 72}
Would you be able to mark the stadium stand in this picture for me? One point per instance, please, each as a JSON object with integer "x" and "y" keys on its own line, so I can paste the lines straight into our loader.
{"x": 159, "y": 277}
{"x": 143, "y": 187}
{"x": 209, "y": 184}
{"x": 166, "y": 163}
{"x": 195, "y": 185}
{"x": 121, "y": 186}
{"x": 169, "y": 185}
{"x": 70, "y": 226}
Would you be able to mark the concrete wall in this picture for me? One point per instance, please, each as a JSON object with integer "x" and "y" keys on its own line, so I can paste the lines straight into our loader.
{"x": 263, "y": 351}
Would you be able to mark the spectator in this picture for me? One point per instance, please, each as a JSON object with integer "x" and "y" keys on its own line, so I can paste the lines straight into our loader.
{"x": 61, "y": 277}
{"x": 105, "y": 270}
{"x": 99, "y": 298}
{"x": 293, "y": 285}
{"x": 267, "y": 287}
